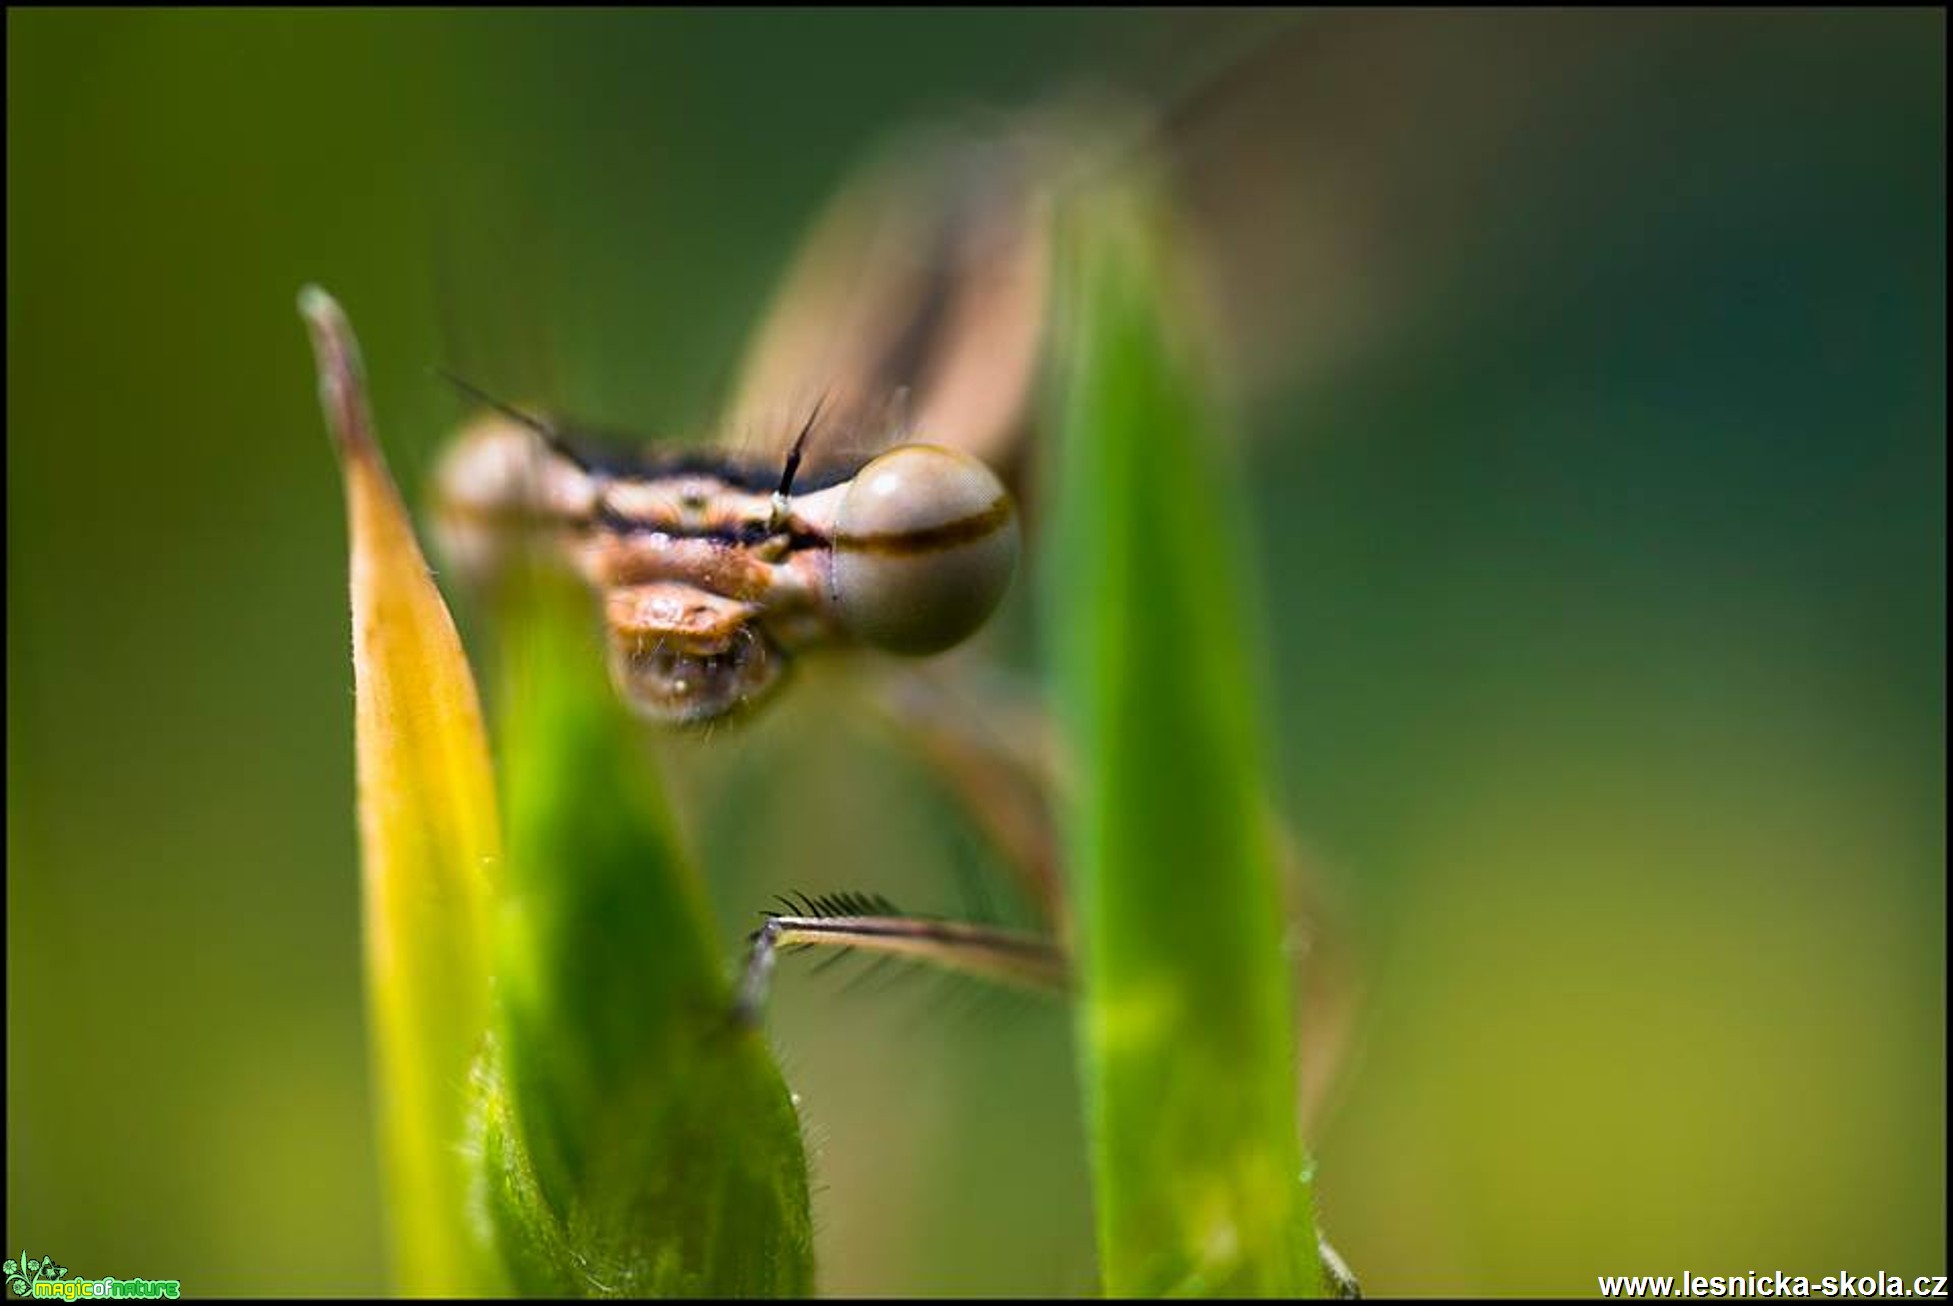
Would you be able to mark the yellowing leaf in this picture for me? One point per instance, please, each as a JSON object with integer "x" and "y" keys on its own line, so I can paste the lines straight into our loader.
{"x": 429, "y": 848}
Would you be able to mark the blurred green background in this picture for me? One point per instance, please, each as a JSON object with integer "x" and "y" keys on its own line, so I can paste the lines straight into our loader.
{"x": 1598, "y": 414}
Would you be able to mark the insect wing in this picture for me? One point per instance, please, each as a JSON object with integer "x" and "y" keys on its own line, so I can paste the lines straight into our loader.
{"x": 914, "y": 310}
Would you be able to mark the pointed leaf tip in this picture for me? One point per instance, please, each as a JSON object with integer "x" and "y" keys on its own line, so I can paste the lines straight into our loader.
{"x": 429, "y": 847}
{"x": 342, "y": 377}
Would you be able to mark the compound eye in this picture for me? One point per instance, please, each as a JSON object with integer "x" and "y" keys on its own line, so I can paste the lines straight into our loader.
{"x": 925, "y": 541}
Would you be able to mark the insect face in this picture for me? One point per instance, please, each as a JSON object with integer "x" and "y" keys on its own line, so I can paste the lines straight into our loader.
{"x": 712, "y": 581}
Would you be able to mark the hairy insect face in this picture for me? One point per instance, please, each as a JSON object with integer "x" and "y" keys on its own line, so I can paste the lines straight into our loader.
{"x": 917, "y": 304}
{"x": 712, "y": 583}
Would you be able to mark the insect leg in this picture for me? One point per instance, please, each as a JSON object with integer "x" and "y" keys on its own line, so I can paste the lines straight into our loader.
{"x": 994, "y": 759}
{"x": 995, "y": 753}
{"x": 1336, "y": 1275}
{"x": 872, "y": 925}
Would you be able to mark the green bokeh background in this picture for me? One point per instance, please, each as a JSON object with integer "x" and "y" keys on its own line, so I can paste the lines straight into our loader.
{"x": 1602, "y": 546}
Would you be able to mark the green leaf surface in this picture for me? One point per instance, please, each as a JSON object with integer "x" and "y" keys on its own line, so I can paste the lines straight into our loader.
{"x": 567, "y": 1105}
{"x": 639, "y": 1140}
{"x": 1187, "y": 1035}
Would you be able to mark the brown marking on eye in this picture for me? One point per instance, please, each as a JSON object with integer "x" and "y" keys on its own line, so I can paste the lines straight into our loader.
{"x": 931, "y": 539}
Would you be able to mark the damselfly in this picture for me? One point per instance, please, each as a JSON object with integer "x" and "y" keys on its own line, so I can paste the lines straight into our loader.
{"x": 895, "y": 370}
{"x": 909, "y": 331}
{"x": 907, "y": 338}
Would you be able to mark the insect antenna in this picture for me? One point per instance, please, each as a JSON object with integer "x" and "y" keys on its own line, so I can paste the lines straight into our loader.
{"x": 792, "y": 469}
{"x": 543, "y": 428}
{"x": 799, "y": 447}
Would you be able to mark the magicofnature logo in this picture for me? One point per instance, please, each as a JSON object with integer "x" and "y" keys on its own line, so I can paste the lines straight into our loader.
{"x": 24, "y": 1273}
{"x": 28, "y": 1277}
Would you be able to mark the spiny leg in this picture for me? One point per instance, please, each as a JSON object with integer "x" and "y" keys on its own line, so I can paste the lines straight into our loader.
{"x": 867, "y": 923}
{"x": 996, "y": 752}
{"x": 1336, "y": 1273}
{"x": 864, "y": 923}
{"x": 992, "y": 747}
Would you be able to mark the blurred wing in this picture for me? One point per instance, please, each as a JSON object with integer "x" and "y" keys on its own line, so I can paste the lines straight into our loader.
{"x": 1348, "y": 179}
{"x": 913, "y": 311}
{"x": 1317, "y": 212}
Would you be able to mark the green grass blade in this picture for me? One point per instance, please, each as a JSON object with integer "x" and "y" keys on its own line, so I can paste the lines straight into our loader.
{"x": 640, "y": 1141}
{"x": 1187, "y": 1038}
{"x": 566, "y": 1103}
{"x": 428, "y": 849}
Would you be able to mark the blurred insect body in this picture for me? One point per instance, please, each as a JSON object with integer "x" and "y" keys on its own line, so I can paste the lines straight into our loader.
{"x": 895, "y": 369}
{"x": 712, "y": 578}
{"x": 894, "y": 372}
{"x": 907, "y": 337}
